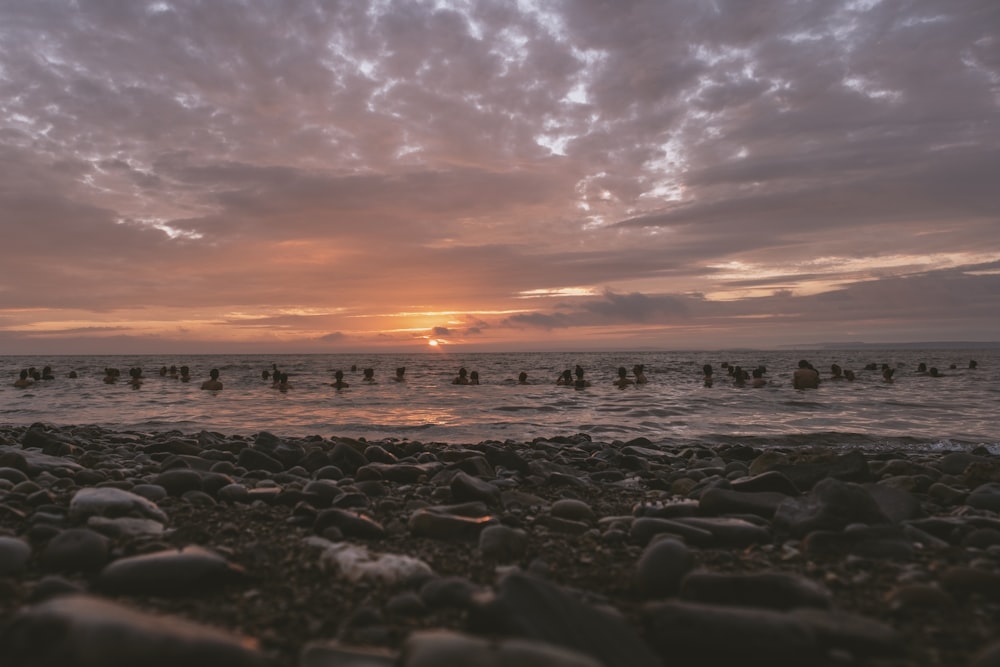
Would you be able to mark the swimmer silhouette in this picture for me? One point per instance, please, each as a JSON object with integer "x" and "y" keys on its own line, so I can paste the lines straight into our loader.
{"x": 212, "y": 382}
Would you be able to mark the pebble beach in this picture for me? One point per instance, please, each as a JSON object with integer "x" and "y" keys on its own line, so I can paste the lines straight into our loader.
{"x": 126, "y": 547}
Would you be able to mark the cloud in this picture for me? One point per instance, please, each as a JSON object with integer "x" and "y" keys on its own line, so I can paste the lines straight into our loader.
{"x": 187, "y": 164}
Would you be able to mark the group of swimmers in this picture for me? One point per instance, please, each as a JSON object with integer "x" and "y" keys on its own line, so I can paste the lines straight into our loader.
{"x": 805, "y": 376}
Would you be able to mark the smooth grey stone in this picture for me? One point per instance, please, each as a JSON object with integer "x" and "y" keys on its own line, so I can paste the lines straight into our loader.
{"x": 289, "y": 453}
{"x": 125, "y": 526}
{"x": 671, "y": 510}
{"x": 477, "y": 466}
{"x": 465, "y": 487}
{"x": 334, "y": 654}
{"x": 85, "y": 631}
{"x": 570, "y": 508}
{"x": 772, "y": 481}
{"x": 849, "y": 467}
{"x": 533, "y": 608}
{"x": 75, "y": 550}
{"x": 963, "y": 581}
{"x": 13, "y": 475}
{"x": 728, "y": 531}
{"x": 53, "y": 444}
{"x": 152, "y": 492}
{"x": 661, "y": 568}
{"x": 14, "y": 555}
{"x": 350, "y": 524}
{"x": 36, "y": 462}
{"x": 233, "y": 493}
{"x": 644, "y": 528}
{"x": 771, "y": 590}
{"x": 692, "y": 633}
{"x": 831, "y": 505}
{"x": 912, "y": 596}
{"x": 53, "y": 585}
{"x": 454, "y": 592}
{"x": 860, "y": 635}
{"x": 112, "y": 502}
{"x": 988, "y": 657}
{"x": 560, "y": 525}
{"x": 168, "y": 573}
{"x": 401, "y": 473}
{"x": 179, "y": 480}
{"x": 896, "y": 504}
{"x": 325, "y": 491}
{"x": 252, "y": 459}
{"x": 955, "y": 463}
{"x": 407, "y": 603}
{"x": 985, "y": 497}
{"x": 379, "y": 454}
{"x": 347, "y": 458}
{"x": 441, "y": 526}
{"x": 982, "y": 538}
{"x": 445, "y": 648}
{"x": 716, "y": 501}
{"x": 503, "y": 543}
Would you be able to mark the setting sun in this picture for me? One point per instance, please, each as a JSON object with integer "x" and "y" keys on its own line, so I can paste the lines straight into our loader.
{"x": 432, "y": 343}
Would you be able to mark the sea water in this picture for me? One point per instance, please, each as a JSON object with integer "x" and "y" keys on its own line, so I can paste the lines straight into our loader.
{"x": 956, "y": 411}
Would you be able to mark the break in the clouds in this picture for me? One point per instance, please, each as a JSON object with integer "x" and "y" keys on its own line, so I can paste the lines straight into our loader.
{"x": 313, "y": 175}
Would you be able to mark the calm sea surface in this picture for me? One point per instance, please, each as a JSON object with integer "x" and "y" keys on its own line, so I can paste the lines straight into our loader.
{"x": 957, "y": 411}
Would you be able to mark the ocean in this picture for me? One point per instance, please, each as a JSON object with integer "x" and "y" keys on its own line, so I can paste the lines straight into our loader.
{"x": 956, "y": 411}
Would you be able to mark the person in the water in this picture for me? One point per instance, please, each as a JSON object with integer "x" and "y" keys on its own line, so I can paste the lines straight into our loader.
{"x": 338, "y": 380}
{"x": 213, "y": 383}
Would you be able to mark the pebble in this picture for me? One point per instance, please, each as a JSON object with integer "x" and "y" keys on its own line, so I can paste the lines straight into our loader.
{"x": 14, "y": 555}
{"x": 75, "y": 550}
{"x": 85, "y": 631}
{"x": 530, "y": 607}
{"x": 719, "y": 541}
{"x": 503, "y": 543}
{"x": 772, "y": 590}
{"x": 694, "y": 633}
{"x": 444, "y": 526}
{"x": 444, "y": 648}
{"x": 112, "y": 502}
{"x": 661, "y": 568}
{"x": 172, "y": 572}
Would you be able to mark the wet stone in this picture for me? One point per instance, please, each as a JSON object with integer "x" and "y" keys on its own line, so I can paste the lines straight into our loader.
{"x": 771, "y": 481}
{"x": 772, "y": 590}
{"x": 445, "y": 648}
{"x": 570, "y": 508}
{"x": 661, "y": 568}
{"x": 442, "y": 526}
{"x": 334, "y": 654}
{"x": 350, "y": 524}
{"x": 75, "y": 550}
{"x": 465, "y": 487}
{"x": 692, "y": 633}
{"x": 832, "y": 505}
{"x": 169, "y": 573}
{"x": 91, "y": 632}
{"x": 502, "y": 543}
{"x": 717, "y": 501}
{"x": 125, "y": 526}
{"x": 14, "y": 555}
{"x": 252, "y": 459}
{"x": 111, "y": 502}
{"x": 532, "y": 608}
{"x": 985, "y": 497}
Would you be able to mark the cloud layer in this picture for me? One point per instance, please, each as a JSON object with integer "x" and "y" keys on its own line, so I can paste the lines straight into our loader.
{"x": 339, "y": 175}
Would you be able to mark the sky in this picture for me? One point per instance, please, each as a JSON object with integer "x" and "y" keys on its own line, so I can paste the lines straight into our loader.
{"x": 498, "y": 175}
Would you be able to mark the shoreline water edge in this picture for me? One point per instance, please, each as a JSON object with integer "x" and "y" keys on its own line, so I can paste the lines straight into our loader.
{"x": 954, "y": 409}
{"x": 124, "y": 547}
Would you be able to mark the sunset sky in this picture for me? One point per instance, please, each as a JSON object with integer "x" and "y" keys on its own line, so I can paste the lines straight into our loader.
{"x": 312, "y": 176}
